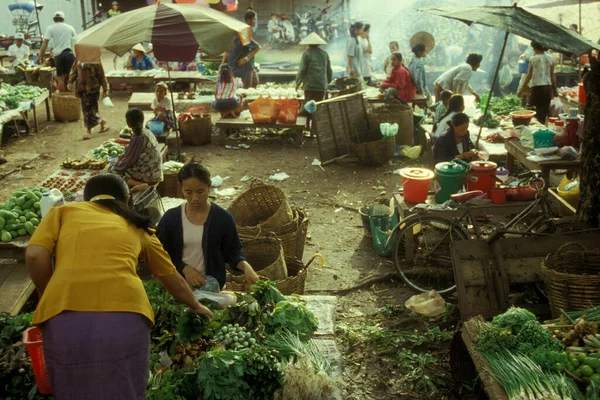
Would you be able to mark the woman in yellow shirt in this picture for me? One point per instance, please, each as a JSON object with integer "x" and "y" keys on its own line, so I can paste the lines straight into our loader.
{"x": 94, "y": 314}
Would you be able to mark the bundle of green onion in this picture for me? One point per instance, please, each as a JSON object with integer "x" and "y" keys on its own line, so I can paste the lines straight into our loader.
{"x": 523, "y": 379}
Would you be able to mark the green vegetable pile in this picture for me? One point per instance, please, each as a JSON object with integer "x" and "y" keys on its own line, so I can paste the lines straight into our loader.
{"x": 501, "y": 105}
{"x": 11, "y": 95}
{"x": 229, "y": 357}
{"x": 21, "y": 214}
{"x": 529, "y": 360}
{"x": 488, "y": 122}
{"x": 108, "y": 150}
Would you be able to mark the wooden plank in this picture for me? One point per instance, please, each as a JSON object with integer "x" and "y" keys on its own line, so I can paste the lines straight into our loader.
{"x": 562, "y": 201}
{"x": 15, "y": 290}
{"x": 494, "y": 390}
{"x": 239, "y": 123}
{"x": 5, "y": 271}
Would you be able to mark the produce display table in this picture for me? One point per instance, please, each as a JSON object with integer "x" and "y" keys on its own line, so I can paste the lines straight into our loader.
{"x": 143, "y": 101}
{"x": 194, "y": 78}
{"x": 509, "y": 208}
{"x": 150, "y": 78}
{"x": 516, "y": 151}
{"x": 569, "y": 102}
{"x": 22, "y": 113}
{"x": 225, "y": 124}
{"x": 44, "y": 97}
{"x": 15, "y": 284}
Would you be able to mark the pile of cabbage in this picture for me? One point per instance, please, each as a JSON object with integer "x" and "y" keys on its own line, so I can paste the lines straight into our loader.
{"x": 11, "y": 96}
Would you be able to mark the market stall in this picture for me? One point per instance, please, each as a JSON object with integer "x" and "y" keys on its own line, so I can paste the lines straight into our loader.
{"x": 17, "y": 101}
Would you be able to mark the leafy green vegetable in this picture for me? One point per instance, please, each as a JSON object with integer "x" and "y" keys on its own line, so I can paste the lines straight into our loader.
{"x": 501, "y": 105}
{"x": 192, "y": 326}
{"x": 266, "y": 293}
{"x": 488, "y": 122}
{"x": 293, "y": 317}
{"x": 513, "y": 319}
{"x": 11, "y": 95}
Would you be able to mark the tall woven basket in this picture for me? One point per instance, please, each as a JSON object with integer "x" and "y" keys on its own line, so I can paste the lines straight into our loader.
{"x": 66, "y": 107}
{"x": 572, "y": 277}
{"x": 395, "y": 112}
{"x": 265, "y": 255}
{"x": 196, "y": 131}
{"x": 262, "y": 205}
{"x": 376, "y": 152}
{"x": 170, "y": 186}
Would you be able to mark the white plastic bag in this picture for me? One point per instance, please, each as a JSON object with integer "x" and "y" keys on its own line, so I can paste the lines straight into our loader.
{"x": 505, "y": 76}
{"x": 107, "y": 102}
{"x": 223, "y": 299}
{"x": 429, "y": 304}
{"x": 556, "y": 108}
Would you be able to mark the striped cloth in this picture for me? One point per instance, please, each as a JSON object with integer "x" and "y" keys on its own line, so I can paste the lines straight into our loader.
{"x": 226, "y": 90}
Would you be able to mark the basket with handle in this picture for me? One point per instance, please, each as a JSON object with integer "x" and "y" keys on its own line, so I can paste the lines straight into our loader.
{"x": 265, "y": 255}
{"x": 395, "y": 112}
{"x": 262, "y": 205}
{"x": 376, "y": 152}
{"x": 32, "y": 340}
{"x": 293, "y": 284}
{"x": 572, "y": 278}
{"x": 195, "y": 126}
{"x": 66, "y": 107}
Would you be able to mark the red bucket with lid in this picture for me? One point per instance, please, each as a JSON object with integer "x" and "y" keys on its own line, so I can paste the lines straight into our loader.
{"x": 482, "y": 176}
{"x": 415, "y": 182}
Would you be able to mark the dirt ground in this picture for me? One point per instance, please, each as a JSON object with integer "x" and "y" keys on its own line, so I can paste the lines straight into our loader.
{"x": 383, "y": 357}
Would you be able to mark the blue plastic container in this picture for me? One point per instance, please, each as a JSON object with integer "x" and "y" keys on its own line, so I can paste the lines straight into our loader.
{"x": 156, "y": 127}
{"x": 543, "y": 138}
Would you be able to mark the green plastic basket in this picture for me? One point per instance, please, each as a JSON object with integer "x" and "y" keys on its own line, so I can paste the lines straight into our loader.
{"x": 381, "y": 227}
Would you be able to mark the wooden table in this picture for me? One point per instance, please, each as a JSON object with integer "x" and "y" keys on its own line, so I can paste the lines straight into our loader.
{"x": 192, "y": 77}
{"x": 143, "y": 101}
{"x": 44, "y": 97}
{"x": 3, "y": 55}
{"x": 225, "y": 124}
{"x": 15, "y": 284}
{"x": 516, "y": 151}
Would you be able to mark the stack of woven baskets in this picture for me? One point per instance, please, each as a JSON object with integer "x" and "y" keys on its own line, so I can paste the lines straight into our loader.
{"x": 273, "y": 235}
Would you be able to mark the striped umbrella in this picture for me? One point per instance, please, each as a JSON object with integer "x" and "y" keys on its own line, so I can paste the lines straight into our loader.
{"x": 175, "y": 30}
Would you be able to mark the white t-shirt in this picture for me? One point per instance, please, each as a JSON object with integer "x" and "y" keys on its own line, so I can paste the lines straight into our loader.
{"x": 459, "y": 147}
{"x": 542, "y": 65}
{"x": 61, "y": 35}
{"x": 22, "y": 53}
{"x": 442, "y": 126}
{"x": 164, "y": 103}
{"x": 456, "y": 79}
{"x": 193, "y": 255}
{"x": 366, "y": 59}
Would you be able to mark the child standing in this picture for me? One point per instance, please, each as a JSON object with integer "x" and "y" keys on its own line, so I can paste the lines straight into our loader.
{"x": 141, "y": 164}
{"x": 227, "y": 102}
{"x": 162, "y": 106}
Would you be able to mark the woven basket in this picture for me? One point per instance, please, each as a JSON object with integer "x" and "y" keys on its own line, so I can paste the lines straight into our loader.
{"x": 293, "y": 284}
{"x": 377, "y": 152}
{"x": 262, "y": 205}
{"x": 197, "y": 131}
{"x": 266, "y": 257}
{"x": 170, "y": 186}
{"x": 398, "y": 113}
{"x": 572, "y": 278}
{"x": 66, "y": 107}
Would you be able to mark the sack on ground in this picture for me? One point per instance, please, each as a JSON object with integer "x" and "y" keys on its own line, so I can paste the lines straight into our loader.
{"x": 428, "y": 304}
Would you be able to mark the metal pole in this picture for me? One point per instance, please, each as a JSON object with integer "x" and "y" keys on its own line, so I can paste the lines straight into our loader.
{"x": 487, "y": 104}
{"x": 37, "y": 17}
{"x": 174, "y": 115}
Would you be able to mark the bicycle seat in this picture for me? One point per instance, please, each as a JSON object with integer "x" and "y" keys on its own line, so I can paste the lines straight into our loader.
{"x": 466, "y": 196}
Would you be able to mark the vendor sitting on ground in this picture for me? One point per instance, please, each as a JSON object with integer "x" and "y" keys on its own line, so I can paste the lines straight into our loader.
{"x": 455, "y": 142}
{"x": 201, "y": 237}
{"x": 139, "y": 60}
{"x": 18, "y": 53}
{"x": 441, "y": 106}
{"x": 399, "y": 85}
{"x": 227, "y": 102}
{"x": 141, "y": 164}
{"x": 162, "y": 106}
{"x": 458, "y": 78}
{"x": 456, "y": 105}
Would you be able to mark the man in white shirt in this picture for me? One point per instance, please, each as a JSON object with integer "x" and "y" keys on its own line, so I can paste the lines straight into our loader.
{"x": 457, "y": 79}
{"x": 62, "y": 36}
{"x": 18, "y": 53}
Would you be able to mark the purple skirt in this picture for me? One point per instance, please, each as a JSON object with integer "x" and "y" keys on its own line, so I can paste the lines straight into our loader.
{"x": 97, "y": 355}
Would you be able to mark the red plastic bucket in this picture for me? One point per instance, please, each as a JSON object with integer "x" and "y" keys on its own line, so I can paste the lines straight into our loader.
{"x": 32, "y": 340}
{"x": 415, "y": 182}
{"x": 498, "y": 195}
{"x": 581, "y": 94}
{"x": 482, "y": 176}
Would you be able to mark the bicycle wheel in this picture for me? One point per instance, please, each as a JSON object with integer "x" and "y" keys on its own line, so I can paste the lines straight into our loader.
{"x": 422, "y": 252}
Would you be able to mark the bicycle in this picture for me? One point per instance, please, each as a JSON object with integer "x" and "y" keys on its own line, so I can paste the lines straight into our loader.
{"x": 422, "y": 248}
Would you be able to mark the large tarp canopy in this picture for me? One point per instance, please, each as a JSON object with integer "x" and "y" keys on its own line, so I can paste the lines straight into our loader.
{"x": 521, "y": 22}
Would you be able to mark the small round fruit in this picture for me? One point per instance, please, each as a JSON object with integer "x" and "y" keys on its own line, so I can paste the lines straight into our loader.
{"x": 245, "y": 344}
{"x": 252, "y": 341}
{"x": 586, "y": 370}
{"x": 581, "y": 357}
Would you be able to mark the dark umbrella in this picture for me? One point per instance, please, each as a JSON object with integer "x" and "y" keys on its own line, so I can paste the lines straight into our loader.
{"x": 521, "y": 22}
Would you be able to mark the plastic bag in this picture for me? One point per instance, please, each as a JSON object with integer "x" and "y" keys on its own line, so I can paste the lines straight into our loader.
{"x": 222, "y": 300}
{"x": 429, "y": 304}
{"x": 388, "y": 129}
{"x": 288, "y": 111}
{"x": 505, "y": 76}
{"x": 411, "y": 152}
{"x": 556, "y": 108}
{"x": 311, "y": 107}
{"x": 107, "y": 102}
{"x": 264, "y": 110}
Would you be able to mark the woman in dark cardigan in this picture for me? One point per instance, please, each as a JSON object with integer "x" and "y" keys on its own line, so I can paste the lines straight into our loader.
{"x": 455, "y": 142}
{"x": 201, "y": 237}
